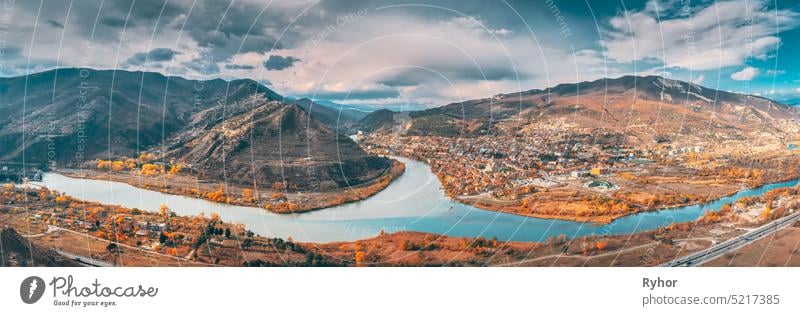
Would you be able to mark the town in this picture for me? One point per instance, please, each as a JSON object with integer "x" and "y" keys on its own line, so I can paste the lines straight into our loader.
{"x": 563, "y": 171}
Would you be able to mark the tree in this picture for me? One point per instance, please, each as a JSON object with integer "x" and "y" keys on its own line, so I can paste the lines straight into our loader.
{"x": 175, "y": 169}
{"x": 359, "y": 258}
{"x": 117, "y": 166}
{"x": 44, "y": 194}
{"x": 145, "y": 157}
{"x": 227, "y": 232}
{"x": 162, "y": 238}
{"x": 199, "y": 241}
{"x": 247, "y": 194}
{"x": 215, "y": 217}
{"x": 149, "y": 169}
{"x": 112, "y": 247}
{"x": 279, "y": 186}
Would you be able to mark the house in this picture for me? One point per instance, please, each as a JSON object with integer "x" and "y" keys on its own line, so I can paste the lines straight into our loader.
{"x": 579, "y": 173}
{"x": 598, "y": 171}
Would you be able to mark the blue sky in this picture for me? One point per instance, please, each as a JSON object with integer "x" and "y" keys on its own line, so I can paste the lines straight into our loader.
{"x": 420, "y": 53}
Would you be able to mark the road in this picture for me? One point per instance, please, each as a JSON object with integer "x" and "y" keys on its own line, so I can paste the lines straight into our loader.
{"x": 582, "y": 257}
{"x": 720, "y": 249}
{"x": 84, "y": 261}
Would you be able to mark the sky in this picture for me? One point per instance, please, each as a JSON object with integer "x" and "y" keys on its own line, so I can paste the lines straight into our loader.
{"x": 415, "y": 53}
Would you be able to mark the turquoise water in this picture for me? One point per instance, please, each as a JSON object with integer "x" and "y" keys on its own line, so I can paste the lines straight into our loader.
{"x": 413, "y": 202}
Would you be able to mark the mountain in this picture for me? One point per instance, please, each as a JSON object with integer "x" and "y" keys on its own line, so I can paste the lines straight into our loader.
{"x": 642, "y": 107}
{"x": 72, "y": 115}
{"x": 19, "y": 252}
{"x": 266, "y": 142}
{"x": 239, "y": 130}
{"x": 377, "y": 121}
{"x": 335, "y": 115}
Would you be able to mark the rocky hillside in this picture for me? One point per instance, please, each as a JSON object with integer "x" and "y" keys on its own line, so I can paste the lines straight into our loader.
{"x": 643, "y": 107}
{"x": 19, "y": 252}
{"x": 68, "y": 116}
{"x": 238, "y": 131}
{"x": 264, "y": 142}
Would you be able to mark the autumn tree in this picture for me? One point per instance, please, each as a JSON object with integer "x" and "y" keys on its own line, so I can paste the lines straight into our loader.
{"x": 359, "y": 257}
{"x": 149, "y": 169}
{"x": 163, "y": 210}
{"x": 146, "y": 157}
{"x": 247, "y": 195}
{"x": 175, "y": 169}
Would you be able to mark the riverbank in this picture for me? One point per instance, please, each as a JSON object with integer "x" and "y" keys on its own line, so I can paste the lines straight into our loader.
{"x": 577, "y": 203}
{"x": 276, "y": 201}
{"x": 647, "y": 239}
{"x": 115, "y": 236}
{"x": 413, "y": 202}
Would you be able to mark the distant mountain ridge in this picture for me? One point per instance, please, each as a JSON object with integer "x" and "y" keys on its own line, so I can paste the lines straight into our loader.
{"x": 653, "y": 104}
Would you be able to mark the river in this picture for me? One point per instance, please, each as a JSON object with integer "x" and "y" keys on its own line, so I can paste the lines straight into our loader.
{"x": 413, "y": 202}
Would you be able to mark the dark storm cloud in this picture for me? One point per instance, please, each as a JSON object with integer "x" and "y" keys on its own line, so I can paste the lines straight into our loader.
{"x": 454, "y": 73}
{"x": 275, "y": 62}
{"x": 226, "y": 28}
{"x": 54, "y": 24}
{"x": 155, "y": 55}
{"x": 117, "y": 22}
{"x": 239, "y": 67}
{"x": 103, "y": 20}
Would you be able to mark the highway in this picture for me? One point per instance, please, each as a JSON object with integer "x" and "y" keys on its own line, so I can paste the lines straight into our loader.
{"x": 717, "y": 250}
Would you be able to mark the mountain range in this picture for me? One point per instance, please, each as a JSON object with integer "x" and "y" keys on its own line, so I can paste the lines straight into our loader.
{"x": 644, "y": 108}
{"x": 239, "y": 130}
{"x": 242, "y": 132}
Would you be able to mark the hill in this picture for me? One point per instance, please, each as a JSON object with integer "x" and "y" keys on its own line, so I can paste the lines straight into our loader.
{"x": 67, "y": 116}
{"x": 378, "y": 120}
{"x": 265, "y": 142}
{"x": 19, "y": 252}
{"x": 239, "y": 130}
{"x": 336, "y": 116}
{"x": 643, "y": 107}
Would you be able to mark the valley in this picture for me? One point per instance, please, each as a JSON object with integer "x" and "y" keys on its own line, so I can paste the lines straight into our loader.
{"x": 626, "y": 171}
{"x": 619, "y": 147}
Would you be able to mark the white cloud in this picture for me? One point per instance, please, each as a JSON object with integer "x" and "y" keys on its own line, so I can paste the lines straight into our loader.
{"x": 773, "y": 72}
{"x": 746, "y": 74}
{"x": 715, "y": 35}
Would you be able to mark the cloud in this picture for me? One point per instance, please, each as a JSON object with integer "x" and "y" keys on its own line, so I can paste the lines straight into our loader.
{"x": 155, "y": 55}
{"x": 239, "y": 67}
{"x": 746, "y": 74}
{"x": 453, "y": 72}
{"x": 774, "y": 72}
{"x": 707, "y": 36}
{"x": 54, "y": 24}
{"x": 275, "y": 62}
{"x": 357, "y": 94}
